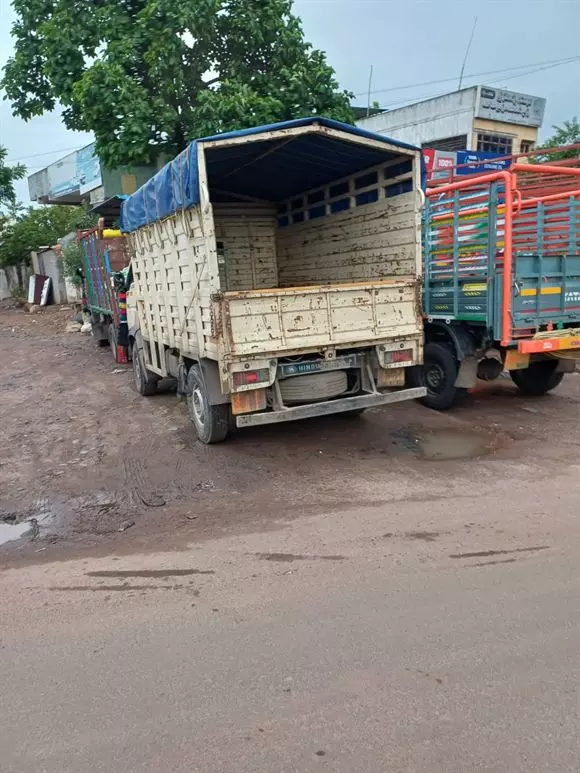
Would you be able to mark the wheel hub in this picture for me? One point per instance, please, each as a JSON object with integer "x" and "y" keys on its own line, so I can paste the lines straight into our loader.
{"x": 198, "y": 406}
{"x": 434, "y": 376}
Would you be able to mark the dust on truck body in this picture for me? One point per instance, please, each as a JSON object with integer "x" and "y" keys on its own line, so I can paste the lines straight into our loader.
{"x": 277, "y": 274}
{"x": 502, "y": 280}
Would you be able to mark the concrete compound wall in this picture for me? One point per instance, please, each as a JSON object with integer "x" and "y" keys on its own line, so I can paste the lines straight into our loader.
{"x": 46, "y": 262}
{"x": 13, "y": 278}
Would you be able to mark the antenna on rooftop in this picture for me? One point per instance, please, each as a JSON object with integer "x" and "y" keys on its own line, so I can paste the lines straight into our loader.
{"x": 467, "y": 54}
{"x": 369, "y": 95}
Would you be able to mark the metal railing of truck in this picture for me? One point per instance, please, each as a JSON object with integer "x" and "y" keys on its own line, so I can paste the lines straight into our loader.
{"x": 477, "y": 229}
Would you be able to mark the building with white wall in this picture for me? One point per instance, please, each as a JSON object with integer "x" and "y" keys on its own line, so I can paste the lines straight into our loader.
{"x": 476, "y": 118}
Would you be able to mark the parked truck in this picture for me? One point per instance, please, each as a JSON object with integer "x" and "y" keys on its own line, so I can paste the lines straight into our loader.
{"x": 104, "y": 277}
{"x": 502, "y": 280}
{"x": 277, "y": 274}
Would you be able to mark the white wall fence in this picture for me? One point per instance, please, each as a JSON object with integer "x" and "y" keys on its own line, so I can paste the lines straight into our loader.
{"x": 14, "y": 279}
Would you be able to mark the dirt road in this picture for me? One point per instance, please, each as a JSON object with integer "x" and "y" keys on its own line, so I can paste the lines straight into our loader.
{"x": 323, "y": 596}
{"x": 85, "y": 455}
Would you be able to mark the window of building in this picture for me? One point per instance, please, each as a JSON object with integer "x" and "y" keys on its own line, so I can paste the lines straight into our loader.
{"x": 448, "y": 143}
{"x": 495, "y": 143}
{"x": 526, "y": 146}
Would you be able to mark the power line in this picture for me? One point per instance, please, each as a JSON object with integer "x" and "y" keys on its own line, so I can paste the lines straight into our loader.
{"x": 472, "y": 75}
{"x": 46, "y": 153}
{"x": 413, "y": 100}
{"x": 417, "y": 122}
{"x": 538, "y": 67}
{"x": 449, "y": 113}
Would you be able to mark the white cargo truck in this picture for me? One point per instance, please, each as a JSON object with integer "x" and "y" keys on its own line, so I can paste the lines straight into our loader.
{"x": 277, "y": 274}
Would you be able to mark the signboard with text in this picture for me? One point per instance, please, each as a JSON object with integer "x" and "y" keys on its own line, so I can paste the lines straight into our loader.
{"x": 88, "y": 169}
{"x": 439, "y": 163}
{"x": 492, "y": 162}
{"x": 73, "y": 176}
{"x": 444, "y": 164}
{"x": 509, "y": 107}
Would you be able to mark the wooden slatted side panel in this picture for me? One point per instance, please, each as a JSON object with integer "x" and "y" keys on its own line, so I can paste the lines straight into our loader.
{"x": 246, "y": 245}
{"x": 371, "y": 241}
{"x": 170, "y": 277}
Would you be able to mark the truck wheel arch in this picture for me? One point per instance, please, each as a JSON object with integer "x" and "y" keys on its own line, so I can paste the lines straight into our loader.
{"x": 131, "y": 336}
{"x": 462, "y": 340}
{"x": 209, "y": 369}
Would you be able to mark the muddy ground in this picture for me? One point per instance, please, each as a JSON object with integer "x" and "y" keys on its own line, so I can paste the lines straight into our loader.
{"x": 105, "y": 470}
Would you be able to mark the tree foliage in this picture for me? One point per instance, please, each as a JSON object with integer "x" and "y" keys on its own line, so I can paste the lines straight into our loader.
{"x": 32, "y": 228}
{"x": 566, "y": 134}
{"x": 8, "y": 176}
{"x": 71, "y": 261}
{"x": 146, "y": 76}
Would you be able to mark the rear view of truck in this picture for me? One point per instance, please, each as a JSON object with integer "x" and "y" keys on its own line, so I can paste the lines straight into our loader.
{"x": 277, "y": 274}
{"x": 105, "y": 266}
{"x": 502, "y": 280}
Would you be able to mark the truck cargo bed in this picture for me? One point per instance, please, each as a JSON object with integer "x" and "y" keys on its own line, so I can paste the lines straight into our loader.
{"x": 284, "y": 320}
{"x": 466, "y": 233}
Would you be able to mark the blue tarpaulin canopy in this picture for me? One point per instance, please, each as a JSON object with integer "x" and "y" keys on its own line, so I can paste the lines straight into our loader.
{"x": 275, "y": 169}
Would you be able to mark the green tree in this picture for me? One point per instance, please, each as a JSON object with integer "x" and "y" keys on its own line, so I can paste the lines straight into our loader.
{"x": 32, "y": 228}
{"x": 566, "y": 134}
{"x": 71, "y": 261}
{"x": 8, "y": 176}
{"x": 146, "y": 76}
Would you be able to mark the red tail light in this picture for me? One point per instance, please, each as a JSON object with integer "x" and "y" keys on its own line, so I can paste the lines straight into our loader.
{"x": 401, "y": 355}
{"x": 245, "y": 377}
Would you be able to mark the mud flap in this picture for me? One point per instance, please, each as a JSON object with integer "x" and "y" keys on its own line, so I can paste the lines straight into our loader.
{"x": 567, "y": 364}
{"x": 100, "y": 329}
{"x": 467, "y": 375}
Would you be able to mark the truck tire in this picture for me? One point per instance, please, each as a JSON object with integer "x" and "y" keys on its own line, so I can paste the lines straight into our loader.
{"x": 537, "y": 379}
{"x": 145, "y": 381}
{"x": 211, "y": 422}
{"x": 438, "y": 375}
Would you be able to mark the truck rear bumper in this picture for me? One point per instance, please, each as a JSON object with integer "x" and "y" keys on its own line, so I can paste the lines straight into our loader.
{"x": 329, "y": 407}
{"x": 568, "y": 340}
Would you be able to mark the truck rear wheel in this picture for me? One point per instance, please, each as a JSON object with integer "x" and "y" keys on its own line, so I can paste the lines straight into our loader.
{"x": 438, "y": 375}
{"x": 537, "y": 379}
{"x": 145, "y": 381}
{"x": 211, "y": 422}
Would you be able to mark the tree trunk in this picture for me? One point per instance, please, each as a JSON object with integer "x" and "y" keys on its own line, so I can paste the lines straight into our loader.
{"x": 179, "y": 138}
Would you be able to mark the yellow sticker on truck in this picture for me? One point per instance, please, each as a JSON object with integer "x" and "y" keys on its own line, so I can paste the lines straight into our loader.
{"x": 474, "y": 289}
{"x": 527, "y": 291}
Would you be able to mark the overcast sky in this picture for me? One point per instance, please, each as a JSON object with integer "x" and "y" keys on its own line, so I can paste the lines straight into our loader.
{"x": 406, "y": 42}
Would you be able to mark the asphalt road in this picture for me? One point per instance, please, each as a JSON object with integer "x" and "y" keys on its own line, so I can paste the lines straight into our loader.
{"x": 327, "y": 645}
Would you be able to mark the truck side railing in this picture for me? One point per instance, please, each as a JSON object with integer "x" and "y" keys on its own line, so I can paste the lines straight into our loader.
{"x": 478, "y": 228}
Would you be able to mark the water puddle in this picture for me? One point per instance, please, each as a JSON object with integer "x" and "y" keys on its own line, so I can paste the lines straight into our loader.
{"x": 29, "y": 521}
{"x": 446, "y": 445}
{"x": 12, "y": 531}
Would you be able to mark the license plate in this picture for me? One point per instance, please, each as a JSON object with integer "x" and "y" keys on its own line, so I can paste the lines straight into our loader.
{"x": 299, "y": 368}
